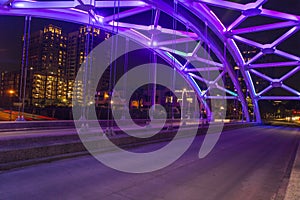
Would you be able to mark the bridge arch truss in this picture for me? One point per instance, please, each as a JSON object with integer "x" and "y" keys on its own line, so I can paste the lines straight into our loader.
{"x": 204, "y": 21}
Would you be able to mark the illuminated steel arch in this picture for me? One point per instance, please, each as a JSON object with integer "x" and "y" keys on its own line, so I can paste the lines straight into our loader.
{"x": 201, "y": 23}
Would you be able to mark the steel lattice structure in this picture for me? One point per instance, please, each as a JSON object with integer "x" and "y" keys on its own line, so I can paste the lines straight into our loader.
{"x": 196, "y": 20}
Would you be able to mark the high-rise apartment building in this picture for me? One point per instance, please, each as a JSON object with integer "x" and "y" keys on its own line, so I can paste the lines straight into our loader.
{"x": 35, "y": 50}
{"x": 78, "y": 48}
{"x": 47, "y": 89}
{"x": 80, "y": 44}
{"x": 47, "y": 59}
{"x": 54, "y": 59}
{"x": 54, "y": 50}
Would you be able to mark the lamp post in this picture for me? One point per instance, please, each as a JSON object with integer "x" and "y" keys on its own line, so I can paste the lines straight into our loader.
{"x": 222, "y": 108}
{"x": 182, "y": 96}
{"x": 235, "y": 114}
{"x": 11, "y": 94}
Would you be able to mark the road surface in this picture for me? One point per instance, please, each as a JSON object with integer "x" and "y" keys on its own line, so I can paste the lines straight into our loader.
{"x": 249, "y": 164}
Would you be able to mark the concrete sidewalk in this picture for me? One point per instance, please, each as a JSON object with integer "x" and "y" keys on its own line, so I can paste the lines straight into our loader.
{"x": 293, "y": 189}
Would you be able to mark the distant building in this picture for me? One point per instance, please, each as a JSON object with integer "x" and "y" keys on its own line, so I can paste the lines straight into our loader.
{"x": 48, "y": 89}
{"x": 9, "y": 81}
{"x": 234, "y": 109}
{"x": 9, "y": 87}
{"x": 46, "y": 62}
{"x": 35, "y": 50}
{"x": 77, "y": 51}
{"x": 54, "y": 59}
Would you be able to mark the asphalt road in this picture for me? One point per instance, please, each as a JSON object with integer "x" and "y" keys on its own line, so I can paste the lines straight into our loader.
{"x": 248, "y": 164}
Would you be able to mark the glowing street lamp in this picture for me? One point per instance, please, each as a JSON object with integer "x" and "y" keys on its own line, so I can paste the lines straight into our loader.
{"x": 11, "y": 94}
{"x": 182, "y": 96}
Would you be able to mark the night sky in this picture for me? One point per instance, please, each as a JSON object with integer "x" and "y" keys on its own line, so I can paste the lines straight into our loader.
{"x": 10, "y": 42}
{"x": 11, "y": 38}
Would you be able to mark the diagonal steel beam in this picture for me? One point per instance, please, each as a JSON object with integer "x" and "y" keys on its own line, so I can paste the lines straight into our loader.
{"x": 204, "y": 69}
{"x": 261, "y": 75}
{"x": 176, "y": 41}
{"x": 156, "y": 18}
{"x": 290, "y": 73}
{"x": 219, "y": 77}
{"x": 272, "y": 65}
{"x": 226, "y": 90}
{"x": 291, "y": 90}
{"x": 209, "y": 62}
{"x": 199, "y": 78}
{"x": 256, "y": 57}
{"x": 265, "y": 90}
{"x": 180, "y": 33}
{"x": 70, "y": 4}
{"x": 221, "y": 97}
{"x": 41, "y": 4}
{"x": 285, "y": 36}
{"x": 128, "y": 25}
{"x": 286, "y": 55}
{"x": 126, "y": 13}
{"x": 224, "y": 4}
{"x": 265, "y": 27}
{"x": 259, "y": 3}
{"x": 287, "y": 98}
{"x": 248, "y": 42}
{"x": 123, "y": 3}
{"x": 279, "y": 15}
{"x": 237, "y": 22}
{"x": 177, "y": 52}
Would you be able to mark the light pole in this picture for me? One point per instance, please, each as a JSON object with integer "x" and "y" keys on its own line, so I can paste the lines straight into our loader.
{"x": 222, "y": 108}
{"x": 182, "y": 96}
{"x": 11, "y": 94}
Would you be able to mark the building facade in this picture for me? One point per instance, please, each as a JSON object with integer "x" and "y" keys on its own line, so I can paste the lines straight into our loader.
{"x": 9, "y": 87}
{"x": 9, "y": 81}
{"x": 47, "y": 55}
{"x": 80, "y": 44}
{"x": 53, "y": 61}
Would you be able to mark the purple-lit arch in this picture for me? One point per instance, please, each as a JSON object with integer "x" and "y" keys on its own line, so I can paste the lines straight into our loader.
{"x": 220, "y": 38}
{"x": 82, "y": 18}
{"x": 231, "y": 35}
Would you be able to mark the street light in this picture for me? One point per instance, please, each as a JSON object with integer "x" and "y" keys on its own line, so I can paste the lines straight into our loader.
{"x": 11, "y": 94}
{"x": 182, "y": 95}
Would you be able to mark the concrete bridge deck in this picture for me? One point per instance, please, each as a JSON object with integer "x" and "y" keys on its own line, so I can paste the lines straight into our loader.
{"x": 250, "y": 163}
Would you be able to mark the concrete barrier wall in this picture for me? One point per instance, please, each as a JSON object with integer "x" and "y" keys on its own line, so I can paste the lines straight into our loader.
{"x": 21, "y": 151}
